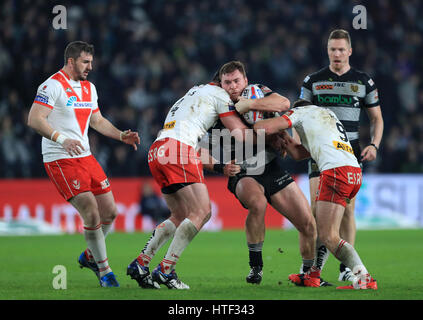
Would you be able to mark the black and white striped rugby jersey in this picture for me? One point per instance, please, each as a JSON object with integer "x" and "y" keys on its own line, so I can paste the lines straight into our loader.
{"x": 346, "y": 95}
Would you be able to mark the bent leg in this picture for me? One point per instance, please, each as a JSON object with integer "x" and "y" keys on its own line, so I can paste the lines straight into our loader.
{"x": 193, "y": 202}
{"x": 292, "y": 203}
{"x": 329, "y": 217}
{"x": 251, "y": 194}
{"x": 107, "y": 210}
{"x": 86, "y": 205}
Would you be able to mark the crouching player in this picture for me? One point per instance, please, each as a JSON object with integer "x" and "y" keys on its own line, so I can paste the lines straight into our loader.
{"x": 323, "y": 138}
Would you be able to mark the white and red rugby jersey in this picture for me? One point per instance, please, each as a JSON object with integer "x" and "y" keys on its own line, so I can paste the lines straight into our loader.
{"x": 72, "y": 103}
{"x": 323, "y": 135}
{"x": 195, "y": 113}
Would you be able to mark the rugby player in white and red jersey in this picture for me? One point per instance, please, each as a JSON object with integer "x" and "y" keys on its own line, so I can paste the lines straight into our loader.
{"x": 324, "y": 139}
{"x": 177, "y": 168}
{"x": 63, "y": 109}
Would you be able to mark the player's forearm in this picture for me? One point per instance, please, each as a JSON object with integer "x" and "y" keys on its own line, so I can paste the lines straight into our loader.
{"x": 272, "y": 103}
{"x": 106, "y": 128}
{"x": 297, "y": 152}
{"x": 376, "y": 130}
{"x": 40, "y": 125}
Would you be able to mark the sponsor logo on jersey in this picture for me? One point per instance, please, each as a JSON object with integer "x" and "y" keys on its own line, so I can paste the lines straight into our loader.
{"x": 324, "y": 87}
{"x": 342, "y": 146}
{"x": 169, "y": 125}
{"x": 71, "y": 100}
{"x": 354, "y": 88}
{"x": 334, "y": 99}
{"x": 82, "y": 104}
{"x": 41, "y": 98}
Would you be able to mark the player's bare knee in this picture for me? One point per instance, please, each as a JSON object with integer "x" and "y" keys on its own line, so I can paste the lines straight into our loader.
{"x": 91, "y": 220}
{"x": 110, "y": 215}
{"x": 257, "y": 206}
{"x": 308, "y": 229}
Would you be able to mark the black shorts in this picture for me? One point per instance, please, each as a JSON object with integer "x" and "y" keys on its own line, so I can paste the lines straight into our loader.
{"x": 175, "y": 187}
{"x": 313, "y": 169}
{"x": 273, "y": 179}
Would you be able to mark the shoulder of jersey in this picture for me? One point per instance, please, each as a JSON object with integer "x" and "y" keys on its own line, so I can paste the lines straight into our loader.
{"x": 49, "y": 84}
{"x": 219, "y": 91}
{"x": 361, "y": 74}
{"x": 317, "y": 75}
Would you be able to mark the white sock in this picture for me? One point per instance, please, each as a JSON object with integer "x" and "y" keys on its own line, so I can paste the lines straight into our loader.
{"x": 346, "y": 253}
{"x": 105, "y": 227}
{"x": 184, "y": 234}
{"x": 97, "y": 246}
{"x": 159, "y": 237}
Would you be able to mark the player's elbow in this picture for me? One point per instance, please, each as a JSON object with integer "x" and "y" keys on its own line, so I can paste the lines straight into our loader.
{"x": 31, "y": 121}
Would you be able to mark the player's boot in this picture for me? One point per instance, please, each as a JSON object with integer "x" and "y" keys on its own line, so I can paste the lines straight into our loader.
{"x": 255, "y": 275}
{"x": 142, "y": 275}
{"x": 324, "y": 283}
{"x": 85, "y": 263}
{"x": 304, "y": 280}
{"x": 169, "y": 280}
{"x": 346, "y": 275}
{"x": 361, "y": 283}
{"x": 109, "y": 280}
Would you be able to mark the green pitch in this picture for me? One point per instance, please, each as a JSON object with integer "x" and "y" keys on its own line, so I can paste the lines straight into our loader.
{"x": 214, "y": 265}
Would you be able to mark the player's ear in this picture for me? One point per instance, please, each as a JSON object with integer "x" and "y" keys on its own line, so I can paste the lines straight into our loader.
{"x": 71, "y": 62}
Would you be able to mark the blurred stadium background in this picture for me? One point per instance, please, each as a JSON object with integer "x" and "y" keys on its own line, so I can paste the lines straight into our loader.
{"x": 148, "y": 53}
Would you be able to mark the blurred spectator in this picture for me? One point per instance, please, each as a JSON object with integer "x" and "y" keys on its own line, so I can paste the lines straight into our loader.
{"x": 148, "y": 53}
{"x": 152, "y": 205}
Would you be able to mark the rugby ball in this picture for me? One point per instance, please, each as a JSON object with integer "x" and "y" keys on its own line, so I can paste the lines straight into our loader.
{"x": 252, "y": 91}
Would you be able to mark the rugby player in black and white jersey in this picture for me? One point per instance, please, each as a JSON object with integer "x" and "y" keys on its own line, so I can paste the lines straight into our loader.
{"x": 255, "y": 188}
{"x": 346, "y": 91}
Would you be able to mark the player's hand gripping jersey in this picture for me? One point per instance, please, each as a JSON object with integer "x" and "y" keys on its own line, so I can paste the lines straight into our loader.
{"x": 323, "y": 135}
{"x": 72, "y": 103}
{"x": 195, "y": 113}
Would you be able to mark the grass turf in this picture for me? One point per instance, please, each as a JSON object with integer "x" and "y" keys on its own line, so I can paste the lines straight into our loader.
{"x": 214, "y": 265}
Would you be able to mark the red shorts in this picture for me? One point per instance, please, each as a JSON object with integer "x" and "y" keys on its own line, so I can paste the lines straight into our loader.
{"x": 339, "y": 184}
{"x": 172, "y": 161}
{"x": 76, "y": 175}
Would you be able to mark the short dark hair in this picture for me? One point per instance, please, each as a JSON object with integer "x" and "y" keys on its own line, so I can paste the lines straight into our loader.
{"x": 231, "y": 67}
{"x": 74, "y": 49}
{"x": 301, "y": 103}
{"x": 340, "y": 34}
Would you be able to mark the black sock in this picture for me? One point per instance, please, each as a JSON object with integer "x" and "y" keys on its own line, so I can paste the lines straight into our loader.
{"x": 342, "y": 267}
{"x": 255, "y": 254}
